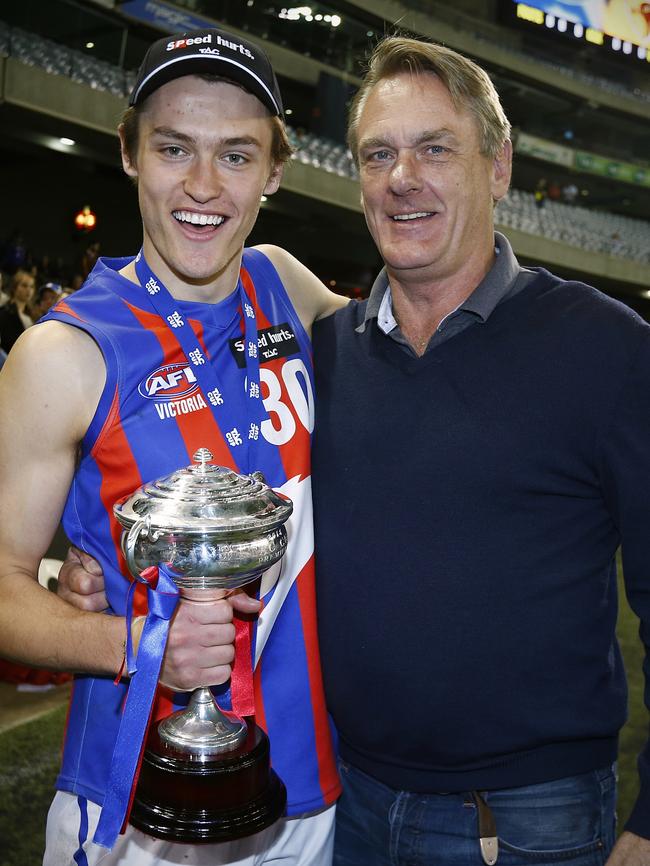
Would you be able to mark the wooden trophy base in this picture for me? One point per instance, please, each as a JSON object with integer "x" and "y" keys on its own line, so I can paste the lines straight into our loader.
{"x": 186, "y": 798}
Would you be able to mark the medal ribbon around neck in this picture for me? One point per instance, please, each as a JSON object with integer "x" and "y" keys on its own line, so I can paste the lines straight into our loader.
{"x": 243, "y": 445}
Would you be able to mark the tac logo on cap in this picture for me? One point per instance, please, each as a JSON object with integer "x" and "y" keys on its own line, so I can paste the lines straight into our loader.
{"x": 211, "y": 51}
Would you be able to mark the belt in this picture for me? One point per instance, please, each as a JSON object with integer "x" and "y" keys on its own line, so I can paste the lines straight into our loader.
{"x": 487, "y": 830}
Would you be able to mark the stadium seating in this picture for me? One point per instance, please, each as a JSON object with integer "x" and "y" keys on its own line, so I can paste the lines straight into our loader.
{"x": 589, "y": 230}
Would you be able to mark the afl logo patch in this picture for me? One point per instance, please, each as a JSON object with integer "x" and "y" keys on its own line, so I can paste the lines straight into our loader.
{"x": 169, "y": 382}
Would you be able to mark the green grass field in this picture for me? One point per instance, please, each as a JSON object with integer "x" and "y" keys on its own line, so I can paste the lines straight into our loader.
{"x": 29, "y": 758}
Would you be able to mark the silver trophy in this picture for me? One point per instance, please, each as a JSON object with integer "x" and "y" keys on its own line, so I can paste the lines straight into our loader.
{"x": 205, "y": 774}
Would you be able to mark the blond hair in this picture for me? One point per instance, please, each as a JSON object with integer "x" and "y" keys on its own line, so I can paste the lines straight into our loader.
{"x": 469, "y": 86}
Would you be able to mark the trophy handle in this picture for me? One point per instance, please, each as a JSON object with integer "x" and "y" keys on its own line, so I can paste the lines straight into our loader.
{"x": 130, "y": 541}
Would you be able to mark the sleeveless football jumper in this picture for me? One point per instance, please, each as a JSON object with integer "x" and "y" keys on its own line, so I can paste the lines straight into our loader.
{"x": 150, "y": 420}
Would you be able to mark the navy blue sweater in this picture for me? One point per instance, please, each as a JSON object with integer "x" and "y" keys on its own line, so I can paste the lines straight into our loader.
{"x": 469, "y": 505}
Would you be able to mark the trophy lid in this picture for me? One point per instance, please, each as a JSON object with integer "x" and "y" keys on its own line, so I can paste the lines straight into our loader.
{"x": 205, "y": 499}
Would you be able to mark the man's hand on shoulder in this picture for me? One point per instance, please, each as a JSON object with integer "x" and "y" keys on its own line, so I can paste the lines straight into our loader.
{"x": 311, "y": 299}
{"x": 630, "y": 850}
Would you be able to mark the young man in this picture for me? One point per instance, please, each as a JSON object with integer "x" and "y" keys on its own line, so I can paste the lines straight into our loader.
{"x": 113, "y": 375}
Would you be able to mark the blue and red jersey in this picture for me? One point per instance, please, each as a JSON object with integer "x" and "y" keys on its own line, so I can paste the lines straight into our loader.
{"x": 151, "y": 419}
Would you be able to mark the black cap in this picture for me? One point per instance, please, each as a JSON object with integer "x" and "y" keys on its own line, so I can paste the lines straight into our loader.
{"x": 214, "y": 51}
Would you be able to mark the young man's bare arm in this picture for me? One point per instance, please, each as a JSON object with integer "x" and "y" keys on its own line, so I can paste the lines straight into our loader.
{"x": 311, "y": 299}
{"x": 49, "y": 390}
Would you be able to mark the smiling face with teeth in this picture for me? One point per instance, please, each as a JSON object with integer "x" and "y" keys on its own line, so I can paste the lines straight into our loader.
{"x": 427, "y": 191}
{"x": 203, "y": 162}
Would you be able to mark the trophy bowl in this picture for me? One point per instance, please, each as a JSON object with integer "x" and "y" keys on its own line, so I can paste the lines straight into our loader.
{"x": 205, "y": 774}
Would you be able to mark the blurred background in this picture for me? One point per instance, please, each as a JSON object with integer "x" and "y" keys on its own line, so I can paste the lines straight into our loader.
{"x": 574, "y": 78}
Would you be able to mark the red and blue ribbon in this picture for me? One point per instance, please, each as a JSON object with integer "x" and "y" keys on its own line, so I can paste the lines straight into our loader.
{"x": 162, "y": 597}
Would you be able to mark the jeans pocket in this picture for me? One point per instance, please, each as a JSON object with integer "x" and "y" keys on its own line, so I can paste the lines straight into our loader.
{"x": 590, "y": 854}
{"x": 567, "y": 821}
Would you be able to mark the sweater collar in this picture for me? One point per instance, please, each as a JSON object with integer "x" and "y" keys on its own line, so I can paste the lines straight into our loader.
{"x": 498, "y": 283}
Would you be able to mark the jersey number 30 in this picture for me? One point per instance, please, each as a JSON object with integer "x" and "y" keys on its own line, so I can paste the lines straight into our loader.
{"x": 281, "y": 425}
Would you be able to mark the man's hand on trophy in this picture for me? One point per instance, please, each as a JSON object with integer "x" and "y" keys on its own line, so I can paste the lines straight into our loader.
{"x": 201, "y": 643}
{"x": 200, "y": 646}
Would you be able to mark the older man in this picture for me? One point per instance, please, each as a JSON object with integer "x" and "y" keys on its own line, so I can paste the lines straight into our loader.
{"x": 481, "y": 451}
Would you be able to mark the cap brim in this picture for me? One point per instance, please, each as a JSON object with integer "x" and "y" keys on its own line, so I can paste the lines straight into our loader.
{"x": 197, "y": 64}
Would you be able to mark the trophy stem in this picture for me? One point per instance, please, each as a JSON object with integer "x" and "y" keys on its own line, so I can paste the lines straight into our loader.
{"x": 203, "y": 729}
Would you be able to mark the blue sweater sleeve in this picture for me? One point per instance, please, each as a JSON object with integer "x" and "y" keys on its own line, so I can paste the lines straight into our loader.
{"x": 625, "y": 474}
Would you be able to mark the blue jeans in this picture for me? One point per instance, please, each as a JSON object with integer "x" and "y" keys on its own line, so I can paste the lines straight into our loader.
{"x": 569, "y": 821}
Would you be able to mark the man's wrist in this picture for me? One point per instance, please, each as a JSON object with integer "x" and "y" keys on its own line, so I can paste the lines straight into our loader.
{"x": 137, "y": 625}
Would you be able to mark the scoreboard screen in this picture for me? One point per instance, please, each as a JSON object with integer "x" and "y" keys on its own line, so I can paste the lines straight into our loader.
{"x": 622, "y": 26}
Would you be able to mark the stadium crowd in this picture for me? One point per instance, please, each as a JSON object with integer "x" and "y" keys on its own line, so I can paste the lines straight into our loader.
{"x": 30, "y": 285}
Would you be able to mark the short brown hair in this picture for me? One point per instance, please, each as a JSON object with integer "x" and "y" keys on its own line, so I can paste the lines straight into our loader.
{"x": 469, "y": 86}
{"x": 281, "y": 148}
